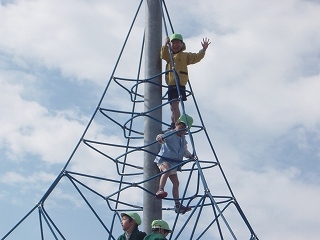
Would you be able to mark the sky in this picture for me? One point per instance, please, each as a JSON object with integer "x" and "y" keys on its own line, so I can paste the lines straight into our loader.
{"x": 257, "y": 91}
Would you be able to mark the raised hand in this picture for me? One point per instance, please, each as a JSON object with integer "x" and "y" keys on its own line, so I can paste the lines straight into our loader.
{"x": 205, "y": 43}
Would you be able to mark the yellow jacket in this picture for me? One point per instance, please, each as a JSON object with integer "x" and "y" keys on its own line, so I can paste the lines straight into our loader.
{"x": 181, "y": 62}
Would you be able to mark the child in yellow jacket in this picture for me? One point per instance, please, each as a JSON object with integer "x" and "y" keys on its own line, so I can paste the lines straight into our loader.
{"x": 181, "y": 61}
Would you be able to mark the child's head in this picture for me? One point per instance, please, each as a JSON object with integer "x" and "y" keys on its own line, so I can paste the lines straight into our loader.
{"x": 181, "y": 128}
{"x": 184, "y": 122}
{"x": 130, "y": 220}
{"x": 161, "y": 227}
{"x": 186, "y": 119}
{"x": 177, "y": 43}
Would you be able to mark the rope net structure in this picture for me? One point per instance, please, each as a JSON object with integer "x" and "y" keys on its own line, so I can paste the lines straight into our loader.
{"x": 104, "y": 175}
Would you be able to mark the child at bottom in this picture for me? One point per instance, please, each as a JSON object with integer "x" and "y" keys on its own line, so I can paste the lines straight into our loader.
{"x": 130, "y": 222}
{"x": 160, "y": 230}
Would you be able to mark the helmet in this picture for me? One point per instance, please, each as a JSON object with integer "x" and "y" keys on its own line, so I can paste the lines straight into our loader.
{"x": 135, "y": 216}
{"x": 176, "y": 36}
{"x": 160, "y": 224}
{"x": 186, "y": 119}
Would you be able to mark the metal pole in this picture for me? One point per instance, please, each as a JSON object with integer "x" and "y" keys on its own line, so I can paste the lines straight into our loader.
{"x": 152, "y": 99}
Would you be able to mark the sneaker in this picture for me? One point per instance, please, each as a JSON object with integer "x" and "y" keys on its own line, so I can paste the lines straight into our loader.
{"x": 161, "y": 194}
{"x": 181, "y": 209}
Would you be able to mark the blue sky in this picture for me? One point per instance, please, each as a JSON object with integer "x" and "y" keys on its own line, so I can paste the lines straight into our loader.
{"x": 257, "y": 91}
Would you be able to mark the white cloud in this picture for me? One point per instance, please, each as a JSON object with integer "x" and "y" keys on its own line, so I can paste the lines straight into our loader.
{"x": 29, "y": 128}
{"x": 15, "y": 178}
{"x": 282, "y": 197}
{"x": 80, "y": 38}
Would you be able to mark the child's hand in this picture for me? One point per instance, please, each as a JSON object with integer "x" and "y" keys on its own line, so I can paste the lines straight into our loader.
{"x": 160, "y": 139}
{"x": 205, "y": 43}
{"x": 166, "y": 41}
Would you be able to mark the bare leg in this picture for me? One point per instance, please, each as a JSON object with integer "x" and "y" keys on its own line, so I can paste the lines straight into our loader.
{"x": 163, "y": 179}
{"x": 175, "y": 186}
{"x": 175, "y": 111}
{"x": 175, "y": 193}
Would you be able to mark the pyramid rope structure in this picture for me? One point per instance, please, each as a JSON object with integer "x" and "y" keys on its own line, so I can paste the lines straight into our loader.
{"x": 105, "y": 170}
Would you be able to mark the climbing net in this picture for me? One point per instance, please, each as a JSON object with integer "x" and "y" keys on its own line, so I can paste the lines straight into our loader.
{"x": 104, "y": 174}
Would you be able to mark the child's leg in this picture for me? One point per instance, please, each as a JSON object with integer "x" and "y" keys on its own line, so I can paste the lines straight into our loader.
{"x": 175, "y": 193}
{"x": 163, "y": 180}
{"x": 175, "y": 186}
{"x": 175, "y": 111}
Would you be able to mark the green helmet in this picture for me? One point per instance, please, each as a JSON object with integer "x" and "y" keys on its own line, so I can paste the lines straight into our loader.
{"x": 186, "y": 119}
{"x": 176, "y": 36}
{"x": 160, "y": 224}
{"x": 135, "y": 216}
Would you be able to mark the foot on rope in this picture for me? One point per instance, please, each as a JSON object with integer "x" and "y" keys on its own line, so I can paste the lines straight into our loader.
{"x": 181, "y": 209}
{"x": 161, "y": 194}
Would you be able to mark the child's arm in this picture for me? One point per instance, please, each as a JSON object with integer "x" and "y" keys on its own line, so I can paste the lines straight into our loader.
{"x": 166, "y": 41}
{"x": 164, "y": 53}
{"x": 187, "y": 154}
{"x": 193, "y": 58}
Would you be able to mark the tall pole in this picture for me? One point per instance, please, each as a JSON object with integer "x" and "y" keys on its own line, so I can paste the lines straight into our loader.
{"x": 152, "y": 99}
